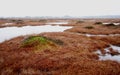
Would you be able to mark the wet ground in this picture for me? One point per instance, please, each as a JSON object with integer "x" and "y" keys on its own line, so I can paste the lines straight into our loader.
{"x": 12, "y": 32}
{"x": 64, "y": 51}
{"x": 111, "y": 53}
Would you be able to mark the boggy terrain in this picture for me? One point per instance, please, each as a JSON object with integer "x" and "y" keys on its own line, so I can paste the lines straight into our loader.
{"x": 25, "y": 22}
{"x": 94, "y": 26}
{"x": 61, "y": 53}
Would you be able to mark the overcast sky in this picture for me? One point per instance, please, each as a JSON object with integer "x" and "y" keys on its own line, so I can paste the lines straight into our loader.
{"x": 59, "y": 7}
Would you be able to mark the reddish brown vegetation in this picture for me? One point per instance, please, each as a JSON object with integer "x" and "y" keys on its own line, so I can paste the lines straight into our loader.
{"x": 25, "y": 22}
{"x": 74, "y": 55}
{"x": 95, "y": 29}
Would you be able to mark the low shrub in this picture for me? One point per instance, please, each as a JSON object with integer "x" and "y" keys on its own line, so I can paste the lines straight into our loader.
{"x": 79, "y": 22}
{"x": 57, "y": 41}
{"x": 98, "y": 22}
{"x": 13, "y": 20}
{"x": 42, "y": 20}
{"x": 89, "y": 27}
{"x": 19, "y": 21}
{"x": 110, "y": 24}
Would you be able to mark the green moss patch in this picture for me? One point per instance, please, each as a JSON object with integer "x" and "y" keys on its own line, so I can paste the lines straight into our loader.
{"x": 34, "y": 41}
{"x": 41, "y": 43}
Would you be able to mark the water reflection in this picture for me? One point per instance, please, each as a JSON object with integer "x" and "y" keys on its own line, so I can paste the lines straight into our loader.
{"x": 110, "y": 55}
{"x": 11, "y": 32}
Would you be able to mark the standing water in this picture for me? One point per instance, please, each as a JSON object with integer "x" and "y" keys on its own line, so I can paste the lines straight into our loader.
{"x": 108, "y": 56}
{"x": 11, "y": 32}
{"x": 57, "y": 23}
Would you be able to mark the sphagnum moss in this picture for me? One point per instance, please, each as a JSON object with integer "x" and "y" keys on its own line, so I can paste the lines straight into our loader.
{"x": 40, "y": 43}
{"x": 34, "y": 41}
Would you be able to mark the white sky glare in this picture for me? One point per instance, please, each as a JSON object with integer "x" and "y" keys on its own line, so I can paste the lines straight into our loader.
{"x": 21, "y": 8}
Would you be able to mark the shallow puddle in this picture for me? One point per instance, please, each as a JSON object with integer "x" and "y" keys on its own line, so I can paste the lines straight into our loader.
{"x": 7, "y": 24}
{"x": 57, "y": 23}
{"x": 102, "y": 35}
{"x": 116, "y": 24}
{"x": 11, "y": 32}
{"x": 89, "y": 35}
{"x": 107, "y": 55}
